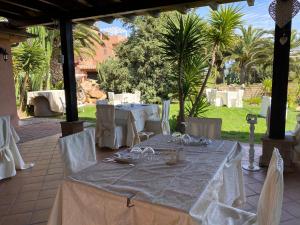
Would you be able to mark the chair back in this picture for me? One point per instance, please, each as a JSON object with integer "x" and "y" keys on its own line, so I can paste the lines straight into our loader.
{"x": 4, "y": 133}
{"x": 78, "y": 151}
{"x": 111, "y": 96}
{"x": 132, "y": 137}
{"x": 204, "y": 127}
{"x": 137, "y": 96}
{"x": 105, "y": 125}
{"x": 270, "y": 200}
{"x": 165, "y": 117}
{"x": 63, "y": 104}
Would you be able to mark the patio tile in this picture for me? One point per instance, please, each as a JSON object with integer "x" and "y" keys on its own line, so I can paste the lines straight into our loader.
{"x": 291, "y": 222}
{"x": 32, "y": 180}
{"x": 293, "y": 208}
{"x": 7, "y": 199}
{"x": 52, "y": 177}
{"x": 286, "y": 216}
{"x": 4, "y": 210}
{"x": 31, "y": 187}
{"x": 47, "y": 193}
{"x": 28, "y": 196}
{"x": 256, "y": 187}
{"x": 17, "y": 219}
{"x": 44, "y": 203}
{"x": 22, "y": 207}
{"x": 40, "y": 216}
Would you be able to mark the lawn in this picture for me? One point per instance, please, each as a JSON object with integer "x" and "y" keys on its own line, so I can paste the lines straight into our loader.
{"x": 234, "y": 125}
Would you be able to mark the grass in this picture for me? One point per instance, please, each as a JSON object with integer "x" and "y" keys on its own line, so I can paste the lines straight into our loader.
{"x": 234, "y": 125}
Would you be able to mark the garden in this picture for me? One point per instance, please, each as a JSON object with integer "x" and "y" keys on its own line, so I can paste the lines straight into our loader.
{"x": 173, "y": 56}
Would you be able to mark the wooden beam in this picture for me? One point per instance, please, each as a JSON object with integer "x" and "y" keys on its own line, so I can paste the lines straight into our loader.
{"x": 250, "y": 2}
{"x": 280, "y": 81}
{"x": 66, "y": 36}
{"x": 214, "y": 6}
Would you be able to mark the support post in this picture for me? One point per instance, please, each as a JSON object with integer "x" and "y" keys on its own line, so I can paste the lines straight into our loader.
{"x": 72, "y": 125}
{"x": 66, "y": 37}
{"x": 280, "y": 81}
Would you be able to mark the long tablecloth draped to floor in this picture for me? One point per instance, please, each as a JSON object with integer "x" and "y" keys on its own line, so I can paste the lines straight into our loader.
{"x": 158, "y": 193}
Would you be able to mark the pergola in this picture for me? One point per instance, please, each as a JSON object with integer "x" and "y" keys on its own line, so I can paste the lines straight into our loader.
{"x": 23, "y": 13}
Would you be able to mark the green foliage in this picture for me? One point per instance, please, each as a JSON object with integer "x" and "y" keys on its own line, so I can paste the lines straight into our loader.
{"x": 113, "y": 76}
{"x": 250, "y": 50}
{"x": 201, "y": 107}
{"x": 253, "y": 101}
{"x": 139, "y": 63}
{"x": 267, "y": 86}
{"x": 29, "y": 60}
{"x": 221, "y": 35}
{"x": 181, "y": 45}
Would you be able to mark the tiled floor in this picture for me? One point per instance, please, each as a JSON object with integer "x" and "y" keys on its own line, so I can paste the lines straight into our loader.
{"x": 27, "y": 198}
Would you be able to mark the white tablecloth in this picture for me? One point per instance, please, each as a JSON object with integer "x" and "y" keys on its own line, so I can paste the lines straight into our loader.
{"x": 53, "y": 97}
{"x": 149, "y": 192}
{"x": 228, "y": 98}
{"x": 141, "y": 113}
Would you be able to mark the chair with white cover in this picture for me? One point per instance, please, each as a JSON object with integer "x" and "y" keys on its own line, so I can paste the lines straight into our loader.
{"x": 7, "y": 164}
{"x": 204, "y": 127}
{"x": 160, "y": 126}
{"x": 78, "y": 151}
{"x": 240, "y": 98}
{"x": 111, "y": 96}
{"x": 207, "y": 93}
{"x": 137, "y": 96}
{"x": 108, "y": 134}
{"x": 269, "y": 203}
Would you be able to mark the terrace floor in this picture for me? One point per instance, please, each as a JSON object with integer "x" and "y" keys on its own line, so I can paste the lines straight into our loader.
{"x": 27, "y": 198}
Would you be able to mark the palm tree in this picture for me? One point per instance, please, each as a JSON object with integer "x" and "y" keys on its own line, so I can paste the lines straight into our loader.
{"x": 85, "y": 37}
{"x": 28, "y": 60}
{"x": 180, "y": 43}
{"x": 222, "y": 24}
{"x": 250, "y": 49}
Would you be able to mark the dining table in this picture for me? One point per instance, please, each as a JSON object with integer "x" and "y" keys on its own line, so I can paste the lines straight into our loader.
{"x": 54, "y": 97}
{"x": 151, "y": 191}
{"x": 140, "y": 112}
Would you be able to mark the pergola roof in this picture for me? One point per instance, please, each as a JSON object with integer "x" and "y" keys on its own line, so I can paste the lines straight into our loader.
{"x": 22, "y": 13}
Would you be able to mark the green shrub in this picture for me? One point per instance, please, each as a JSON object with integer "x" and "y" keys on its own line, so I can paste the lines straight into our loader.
{"x": 267, "y": 86}
{"x": 253, "y": 101}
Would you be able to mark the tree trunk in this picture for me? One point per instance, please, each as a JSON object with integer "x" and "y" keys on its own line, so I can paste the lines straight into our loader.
{"x": 180, "y": 119}
{"x": 242, "y": 74}
{"x": 220, "y": 75}
{"x": 199, "y": 95}
{"x": 55, "y": 65}
{"x": 23, "y": 93}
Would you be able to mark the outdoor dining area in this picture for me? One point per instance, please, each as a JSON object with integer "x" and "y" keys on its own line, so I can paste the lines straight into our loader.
{"x": 129, "y": 167}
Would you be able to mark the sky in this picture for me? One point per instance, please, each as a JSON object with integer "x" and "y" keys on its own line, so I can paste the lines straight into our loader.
{"x": 257, "y": 16}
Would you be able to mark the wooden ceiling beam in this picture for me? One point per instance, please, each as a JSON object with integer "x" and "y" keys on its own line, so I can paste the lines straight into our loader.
{"x": 250, "y": 2}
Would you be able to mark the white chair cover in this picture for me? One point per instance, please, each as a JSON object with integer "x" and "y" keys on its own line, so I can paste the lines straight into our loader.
{"x": 233, "y": 182}
{"x": 132, "y": 134}
{"x": 208, "y": 94}
{"x": 137, "y": 96}
{"x": 78, "y": 151}
{"x": 232, "y": 99}
{"x": 269, "y": 204}
{"x": 107, "y": 133}
{"x": 7, "y": 163}
{"x": 10, "y": 157}
{"x": 270, "y": 200}
{"x": 165, "y": 118}
{"x": 204, "y": 127}
{"x": 213, "y": 98}
{"x": 111, "y": 96}
{"x": 240, "y": 98}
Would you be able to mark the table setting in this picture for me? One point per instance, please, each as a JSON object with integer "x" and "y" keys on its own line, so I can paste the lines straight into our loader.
{"x": 162, "y": 175}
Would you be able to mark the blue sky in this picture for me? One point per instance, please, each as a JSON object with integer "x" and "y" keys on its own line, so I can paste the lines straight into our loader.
{"x": 257, "y": 16}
